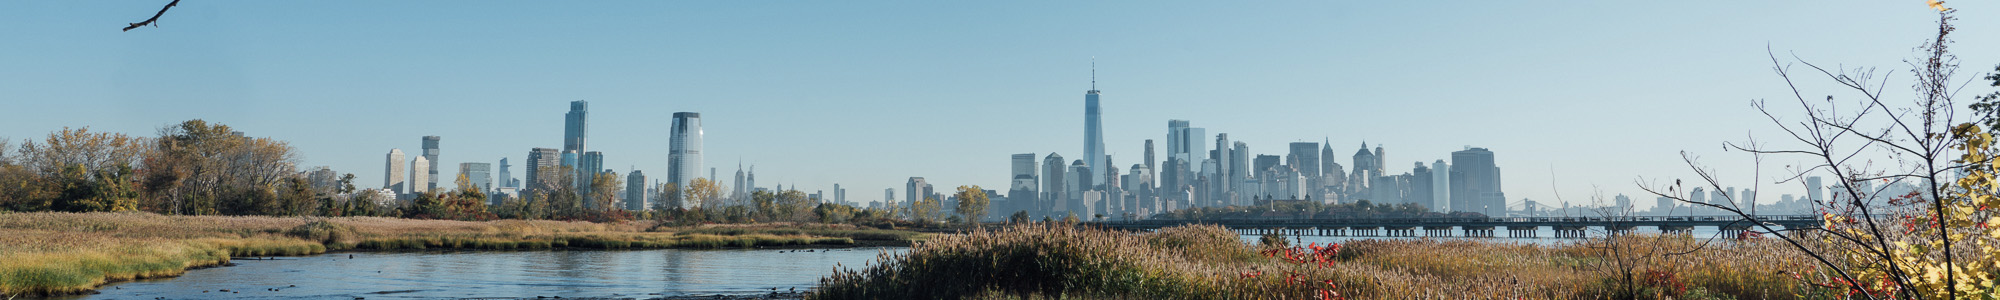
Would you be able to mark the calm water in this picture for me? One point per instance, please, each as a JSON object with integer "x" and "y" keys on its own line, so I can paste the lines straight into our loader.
{"x": 524, "y": 274}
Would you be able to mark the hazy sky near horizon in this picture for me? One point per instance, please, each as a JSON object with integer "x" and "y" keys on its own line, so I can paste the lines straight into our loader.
{"x": 1573, "y": 97}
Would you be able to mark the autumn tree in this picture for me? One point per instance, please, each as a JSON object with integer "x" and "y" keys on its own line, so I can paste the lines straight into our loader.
{"x": 1934, "y": 241}
{"x": 604, "y": 191}
{"x": 73, "y": 170}
{"x": 972, "y": 203}
{"x": 703, "y": 193}
{"x": 927, "y": 211}
{"x": 199, "y": 168}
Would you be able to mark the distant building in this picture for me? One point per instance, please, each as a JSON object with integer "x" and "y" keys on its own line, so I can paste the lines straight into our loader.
{"x": 542, "y": 162}
{"x": 1475, "y": 183}
{"x": 1024, "y": 184}
{"x": 507, "y": 177}
{"x": 635, "y": 191}
{"x": 1093, "y": 132}
{"x": 1055, "y": 185}
{"x": 684, "y": 149}
{"x": 575, "y": 125}
{"x": 430, "y": 157}
{"x": 917, "y": 189}
{"x": 1440, "y": 186}
{"x": 392, "y": 177}
{"x": 587, "y": 168}
{"x": 1421, "y": 186}
{"x": 420, "y": 171}
{"x": 479, "y": 173}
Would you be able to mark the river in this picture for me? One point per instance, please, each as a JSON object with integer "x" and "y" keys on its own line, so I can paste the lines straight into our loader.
{"x": 505, "y": 274}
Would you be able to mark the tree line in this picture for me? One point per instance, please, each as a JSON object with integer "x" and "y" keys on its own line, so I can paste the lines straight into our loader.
{"x": 201, "y": 168}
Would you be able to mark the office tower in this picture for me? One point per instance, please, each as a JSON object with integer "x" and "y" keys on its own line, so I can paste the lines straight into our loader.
{"x": 1265, "y": 163}
{"x": 838, "y": 195}
{"x": 589, "y": 165}
{"x": 430, "y": 155}
{"x": 1381, "y": 160}
{"x": 392, "y": 177}
{"x": 1624, "y": 203}
{"x": 1185, "y": 143}
{"x": 888, "y": 196}
{"x": 542, "y": 162}
{"x": 479, "y": 174}
{"x": 1698, "y": 195}
{"x": 917, "y": 189}
{"x": 1023, "y": 191}
{"x": 737, "y": 189}
{"x": 1112, "y": 194}
{"x": 1222, "y": 159}
{"x": 1239, "y": 166}
{"x": 1093, "y": 130}
{"x": 1307, "y": 154}
{"x": 569, "y": 159}
{"x": 1421, "y": 186}
{"x": 1327, "y": 161}
{"x": 1054, "y": 184}
{"x": 420, "y": 171}
{"x": 1364, "y": 165}
{"x": 635, "y": 191}
{"x": 750, "y": 182}
{"x": 1150, "y": 165}
{"x": 1440, "y": 187}
{"x": 1140, "y": 184}
{"x": 1079, "y": 181}
{"x": 506, "y": 177}
{"x": 1475, "y": 183}
{"x": 1814, "y": 191}
{"x": 574, "y": 124}
{"x": 684, "y": 149}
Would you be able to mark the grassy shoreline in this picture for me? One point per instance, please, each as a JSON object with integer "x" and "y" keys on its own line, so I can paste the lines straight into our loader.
{"x": 49, "y": 254}
{"x": 1059, "y": 261}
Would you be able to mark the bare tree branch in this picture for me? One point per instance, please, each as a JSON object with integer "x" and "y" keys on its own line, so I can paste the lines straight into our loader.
{"x": 155, "y": 18}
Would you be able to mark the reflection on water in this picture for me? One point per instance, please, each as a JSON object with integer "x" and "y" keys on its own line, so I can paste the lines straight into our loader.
{"x": 525, "y": 274}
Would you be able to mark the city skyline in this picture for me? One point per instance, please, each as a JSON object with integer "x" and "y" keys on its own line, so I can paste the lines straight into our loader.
{"x": 1295, "y": 91}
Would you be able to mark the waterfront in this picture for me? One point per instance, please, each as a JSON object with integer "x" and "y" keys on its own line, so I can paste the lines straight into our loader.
{"x": 505, "y": 274}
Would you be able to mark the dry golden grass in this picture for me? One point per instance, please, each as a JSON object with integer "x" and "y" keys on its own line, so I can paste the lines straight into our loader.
{"x": 1205, "y": 262}
{"x": 53, "y": 253}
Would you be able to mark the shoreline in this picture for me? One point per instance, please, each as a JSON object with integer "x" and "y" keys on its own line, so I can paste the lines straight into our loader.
{"x": 74, "y": 254}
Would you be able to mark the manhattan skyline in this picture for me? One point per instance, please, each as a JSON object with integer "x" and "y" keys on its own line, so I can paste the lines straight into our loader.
{"x": 1582, "y": 111}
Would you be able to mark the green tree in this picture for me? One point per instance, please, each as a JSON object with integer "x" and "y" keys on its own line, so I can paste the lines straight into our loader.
{"x": 927, "y": 211}
{"x": 972, "y": 203}
{"x": 604, "y": 191}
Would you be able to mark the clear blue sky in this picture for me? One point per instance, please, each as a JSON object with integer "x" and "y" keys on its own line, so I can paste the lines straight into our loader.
{"x": 1573, "y": 96}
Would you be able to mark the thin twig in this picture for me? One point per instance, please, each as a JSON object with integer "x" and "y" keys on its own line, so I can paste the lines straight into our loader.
{"x": 155, "y": 18}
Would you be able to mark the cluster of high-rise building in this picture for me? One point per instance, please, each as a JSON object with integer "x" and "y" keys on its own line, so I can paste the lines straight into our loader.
{"x": 544, "y": 164}
{"x": 1191, "y": 174}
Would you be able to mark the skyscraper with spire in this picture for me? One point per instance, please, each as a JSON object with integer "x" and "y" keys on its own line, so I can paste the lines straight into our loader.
{"x": 1093, "y": 129}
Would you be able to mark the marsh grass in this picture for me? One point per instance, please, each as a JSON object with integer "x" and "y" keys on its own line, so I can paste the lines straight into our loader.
{"x": 1206, "y": 262}
{"x": 68, "y": 253}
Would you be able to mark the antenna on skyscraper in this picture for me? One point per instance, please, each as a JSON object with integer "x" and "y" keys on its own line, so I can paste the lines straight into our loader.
{"x": 1093, "y": 73}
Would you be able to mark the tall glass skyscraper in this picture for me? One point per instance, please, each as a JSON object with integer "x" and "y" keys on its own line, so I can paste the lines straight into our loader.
{"x": 1093, "y": 132}
{"x": 574, "y": 124}
{"x": 684, "y": 151}
{"x": 1475, "y": 183}
{"x": 431, "y": 155}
